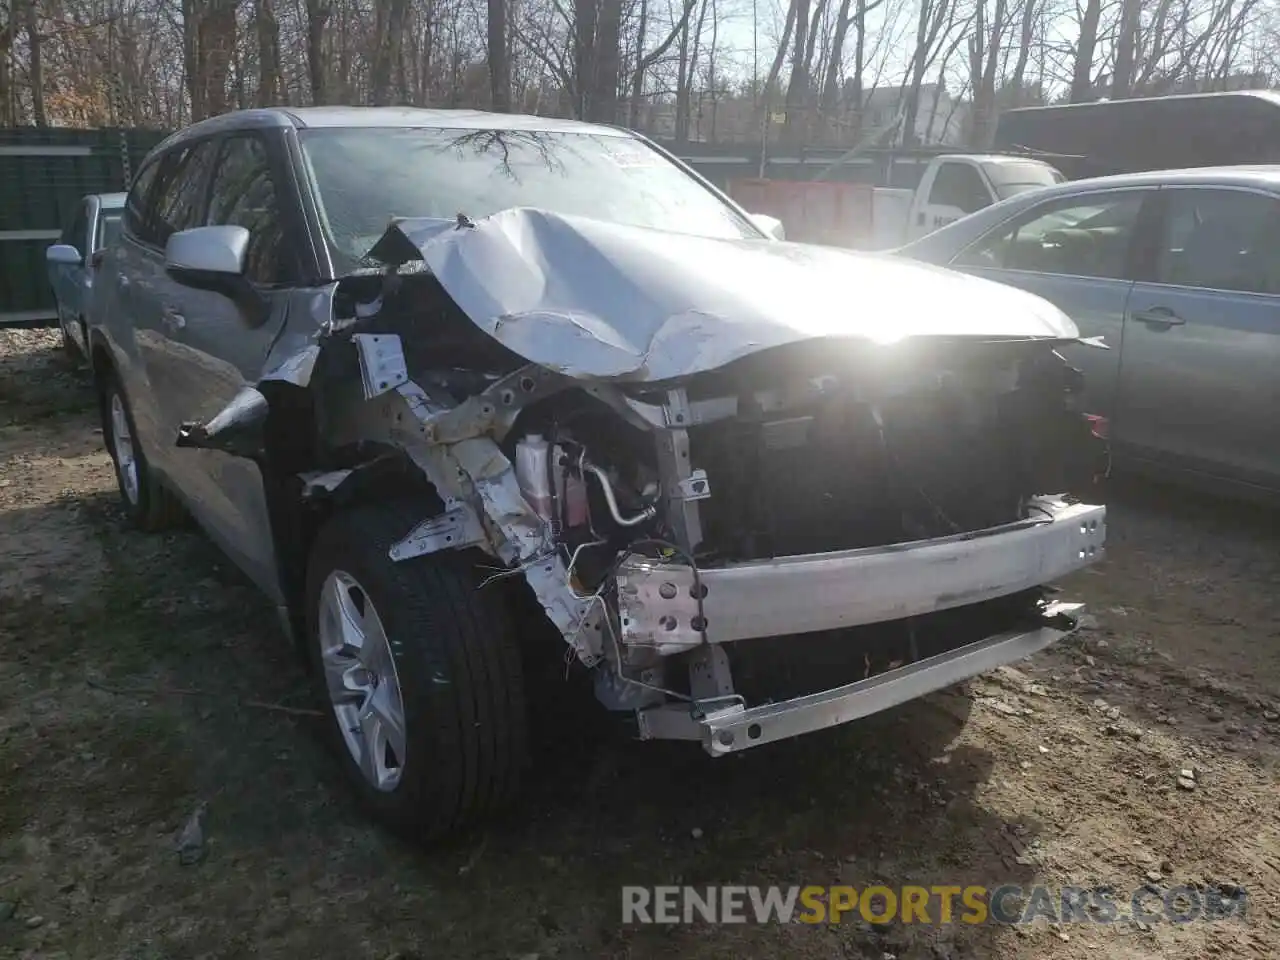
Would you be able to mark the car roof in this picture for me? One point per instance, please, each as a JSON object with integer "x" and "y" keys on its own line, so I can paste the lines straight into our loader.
{"x": 303, "y": 118}
{"x": 947, "y": 241}
{"x": 991, "y": 157}
{"x": 1244, "y": 175}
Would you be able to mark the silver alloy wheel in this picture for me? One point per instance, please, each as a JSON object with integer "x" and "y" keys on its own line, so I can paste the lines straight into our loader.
{"x": 122, "y": 447}
{"x": 360, "y": 675}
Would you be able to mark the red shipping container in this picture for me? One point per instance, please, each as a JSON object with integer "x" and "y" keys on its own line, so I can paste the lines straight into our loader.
{"x": 838, "y": 214}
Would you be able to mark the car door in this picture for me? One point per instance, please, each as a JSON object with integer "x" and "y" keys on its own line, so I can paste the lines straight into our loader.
{"x": 1200, "y": 383}
{"x": 957, "y": 190}
{"x": 216, "y": 348}
{"x": 1074, "y": 251}
{"x": 125, "y": 309}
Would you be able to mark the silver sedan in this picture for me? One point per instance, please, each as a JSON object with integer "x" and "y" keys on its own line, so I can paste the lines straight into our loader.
{"x": 1179, "y": 273}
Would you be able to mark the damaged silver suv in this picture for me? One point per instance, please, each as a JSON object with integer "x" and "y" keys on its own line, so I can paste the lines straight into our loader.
{"x": 440, "y": 382}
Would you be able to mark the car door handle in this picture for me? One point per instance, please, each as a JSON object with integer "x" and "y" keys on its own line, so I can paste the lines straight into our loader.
{"x": 172, "y": 320}
{"x": 1158, "y": 317}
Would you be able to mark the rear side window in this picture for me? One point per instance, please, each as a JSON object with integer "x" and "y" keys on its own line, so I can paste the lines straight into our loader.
{"x": 1078, "y": 236}
{"x": 959, "y": 185}
{"x": 243, "y": 194}
{"x": 1220, "y": 240}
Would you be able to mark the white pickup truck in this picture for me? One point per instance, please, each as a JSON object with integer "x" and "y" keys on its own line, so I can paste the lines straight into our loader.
{"x": 953, "y": 186}
{"x": 879, "y": 218}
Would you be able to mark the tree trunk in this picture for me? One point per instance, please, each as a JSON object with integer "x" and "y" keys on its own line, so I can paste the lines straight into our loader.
{"x": 775, "y": 70}
{"x": 608, "y": 63}
{"x": 499, "y": 57}
{"x": 389, "y": 24}
{"x": 682, "y": 102}
{"x": 215, "y": 46}
{"x": 798, "y": 85}
{"x": 1024, "y": 50}
{"x": 1122, "y": 76}
{"x": 6, "y": 80}
{"x": 830, "y": 93}
{"x": 984, "y": 56}
{"x": 1082, "y": 75}
{"x": 815, "y": 21}
{"x": 268, "y": 28}
{"x": 190, "y": 57}
{"x": 585, "y": 15}
{"x": 919, "y": 65}
{"x": 637, "y": 75}
{"x": 35, "y": 64}
{"x": 859, "y": 64}
{"x": 318, "y": 12}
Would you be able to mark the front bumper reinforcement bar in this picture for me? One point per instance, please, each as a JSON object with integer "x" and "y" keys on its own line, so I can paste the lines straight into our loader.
{"x": 738, "y": 728}
{"x": 658, "y": 600}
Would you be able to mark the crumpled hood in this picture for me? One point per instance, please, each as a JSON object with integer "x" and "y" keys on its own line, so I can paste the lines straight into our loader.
{"x": 599, "y": 300}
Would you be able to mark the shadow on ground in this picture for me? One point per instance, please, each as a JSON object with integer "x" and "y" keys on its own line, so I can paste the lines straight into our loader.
{"x": 132, "y": 707}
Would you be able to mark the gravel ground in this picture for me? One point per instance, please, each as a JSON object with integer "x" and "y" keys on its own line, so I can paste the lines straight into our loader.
{"x": 142, "y": 679}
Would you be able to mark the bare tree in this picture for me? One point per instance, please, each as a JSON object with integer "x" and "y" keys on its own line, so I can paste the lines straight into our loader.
{"x": 934, "y": 25}
{"x": 1085, "y": 48}
{"x": 984, "y": 57}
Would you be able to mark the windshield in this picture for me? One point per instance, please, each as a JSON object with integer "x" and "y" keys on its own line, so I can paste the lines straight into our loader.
{"x": 1006, "y": 190}
{"x": 1011, "y": 178}
{"x": 366, "y": 176}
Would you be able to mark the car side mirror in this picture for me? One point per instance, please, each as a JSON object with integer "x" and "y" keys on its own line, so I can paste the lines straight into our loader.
{"x": 212, "y": 258}
{"x": 770, "y": 225}
{"x": 206, "y": 257}
{"x": 64, "y": 253}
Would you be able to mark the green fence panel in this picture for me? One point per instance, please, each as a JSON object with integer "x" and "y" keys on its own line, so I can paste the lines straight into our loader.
{"x": 43, "y": 174}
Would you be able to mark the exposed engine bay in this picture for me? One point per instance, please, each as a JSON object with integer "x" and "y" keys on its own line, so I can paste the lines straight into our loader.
{"x": 720, "y": 546}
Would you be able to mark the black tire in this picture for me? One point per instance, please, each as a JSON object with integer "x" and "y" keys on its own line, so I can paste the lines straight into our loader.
{"x": 458, "y": 666}
{"x": 152, "y": 507}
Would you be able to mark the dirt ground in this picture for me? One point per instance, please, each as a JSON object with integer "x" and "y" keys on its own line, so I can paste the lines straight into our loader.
{"x": 140, "y": 677}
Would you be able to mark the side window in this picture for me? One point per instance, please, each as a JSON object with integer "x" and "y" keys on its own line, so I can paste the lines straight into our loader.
{"x": 177, "y": 199}
{"x": 243, "y": 194}
{"x": 135, "y": 205}
{"x": 1079, "y": 236}
{"x": 1220, "y": 240}
{"x": 959, "y": 185}
{"x": 74, "y": 232}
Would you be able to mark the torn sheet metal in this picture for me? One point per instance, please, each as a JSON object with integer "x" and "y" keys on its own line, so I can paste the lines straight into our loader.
{"x": 494, "y": 410}
{"x": 319, "y": 482}
{"x": 599, "y": 300}
{"x": 458, "y": 527}
{"x": 237, "y": 429}
{"x": 474, "y": 476}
